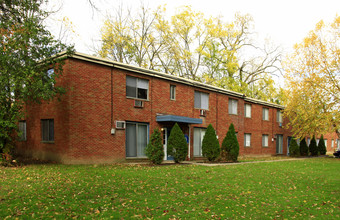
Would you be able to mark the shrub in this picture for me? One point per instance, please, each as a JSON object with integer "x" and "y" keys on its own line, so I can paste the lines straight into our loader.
{"x": 294, "y": 149}
{"x": 154, "y": 151}
{"x": 230, "y": 144}
{"x": 322, "y": 147}
{"x": 313, "y": 149}
{"x": 177, "y": 144}
{"x": 303, "y": 147}
{"x": 210, "y": 145}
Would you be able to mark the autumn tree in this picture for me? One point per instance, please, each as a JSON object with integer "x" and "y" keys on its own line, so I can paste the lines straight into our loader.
{"x": 195, "y": 47}
{"x": 26, "y": 55}
{"x": 312, "y": 95}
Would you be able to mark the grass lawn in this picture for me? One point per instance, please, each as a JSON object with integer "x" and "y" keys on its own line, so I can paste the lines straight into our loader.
{"x": 300, "y": 189}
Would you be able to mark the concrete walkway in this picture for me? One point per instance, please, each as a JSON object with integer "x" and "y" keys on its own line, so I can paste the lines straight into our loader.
{"x": 221, "y": 164}
{"x": 242, "y": 163}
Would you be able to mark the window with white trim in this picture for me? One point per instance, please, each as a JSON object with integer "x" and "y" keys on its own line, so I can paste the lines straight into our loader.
{"x": 247, "y": 110}
{"x": 136, "y": 139}
{"x": 279, "y": 116}
{"x": 232, "y": 106}
{"x": 198, "y": 138}
{"x": 265, "y": 114}
{"x": 265, "y": 140}
{"x": 247, "y": 140}
{"x": 201, "y": 100}
{"x": 137, "y": 88}
{"x": 172, "y": 92}
{"x": 332, "y": 145}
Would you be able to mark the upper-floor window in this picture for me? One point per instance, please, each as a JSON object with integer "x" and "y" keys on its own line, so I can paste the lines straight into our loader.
{"x": 265, "y": 114}
{"x": 172, "y": 92}
{"x": 47, "y": 129}
{"x": 137, "y": 88}
{"x": 22, "y": 131}
{"x": 279, "y": 116}
{"x": 201, "y": 100}
{"x": 233, "y": 106}
{"x": 247, "y": 110}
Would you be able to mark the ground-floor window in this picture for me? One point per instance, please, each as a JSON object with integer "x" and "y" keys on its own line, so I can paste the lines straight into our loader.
{"x": 136, "y": 139}
{"x": 47, "y": 130}
{"x": 198, "y": 138}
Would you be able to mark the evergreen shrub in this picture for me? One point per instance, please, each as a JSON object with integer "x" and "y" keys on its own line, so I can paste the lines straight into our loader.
{"x": 177, "y": 144}
{"x": 313, "y": 149}
{"x": 230, "y": 145}
{"x": 294, "y": 149}
{"x": 303, "y": 147}
{"x": 210, "y": 145}
{"x": 155, "y": 151}
{"x": 321, "y": 146}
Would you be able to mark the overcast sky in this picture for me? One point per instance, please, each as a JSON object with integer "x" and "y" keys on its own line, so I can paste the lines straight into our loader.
{"x": 284, "y": 22}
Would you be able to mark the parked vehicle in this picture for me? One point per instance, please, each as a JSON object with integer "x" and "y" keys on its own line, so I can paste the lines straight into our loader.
{"x": 337, "y": 154}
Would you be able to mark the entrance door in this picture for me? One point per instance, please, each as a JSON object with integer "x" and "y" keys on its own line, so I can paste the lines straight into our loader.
{"x": 279, "y": 143}
{"x": 166, "y": 135}
{"x": 288, "y": 143}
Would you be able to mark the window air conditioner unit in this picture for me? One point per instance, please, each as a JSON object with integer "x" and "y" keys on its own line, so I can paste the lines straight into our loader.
{"x": 120, "y": 124}
{"x": 203, "y": 112}
{"x": 139, "y": 104}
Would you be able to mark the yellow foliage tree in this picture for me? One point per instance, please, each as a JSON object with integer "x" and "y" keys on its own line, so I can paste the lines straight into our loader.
{"x": 312, "y": 95}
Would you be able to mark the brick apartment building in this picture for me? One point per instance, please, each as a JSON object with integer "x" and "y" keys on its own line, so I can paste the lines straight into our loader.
{"x": 110, "y": 110}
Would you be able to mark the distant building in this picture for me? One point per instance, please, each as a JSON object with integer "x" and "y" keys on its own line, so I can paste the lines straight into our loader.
{"x": 110, "y": 110}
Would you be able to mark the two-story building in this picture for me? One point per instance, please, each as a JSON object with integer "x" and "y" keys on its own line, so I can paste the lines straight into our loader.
{"x": 110, "y": 110}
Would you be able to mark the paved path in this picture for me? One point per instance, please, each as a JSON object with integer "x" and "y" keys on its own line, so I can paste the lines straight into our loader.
{"x": 242, "y": 163}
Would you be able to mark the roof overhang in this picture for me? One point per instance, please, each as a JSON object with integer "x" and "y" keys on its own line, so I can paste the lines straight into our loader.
{"x": 176, "y": 118}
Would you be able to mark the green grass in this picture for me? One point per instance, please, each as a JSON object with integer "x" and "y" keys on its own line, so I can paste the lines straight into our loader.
{"x": 280, "y": 190}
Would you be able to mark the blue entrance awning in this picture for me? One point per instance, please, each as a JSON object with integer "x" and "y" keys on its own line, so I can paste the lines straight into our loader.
{"x": 176, "y": 118}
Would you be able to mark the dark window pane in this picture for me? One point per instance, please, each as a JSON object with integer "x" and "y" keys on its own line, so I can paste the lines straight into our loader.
{"x": 142, "y": 93}
{"x": 131, "y": 91}
{"x": 51, "y": 130}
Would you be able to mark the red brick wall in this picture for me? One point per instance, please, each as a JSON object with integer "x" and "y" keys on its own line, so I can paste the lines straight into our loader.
{"x": 85, "y": 115}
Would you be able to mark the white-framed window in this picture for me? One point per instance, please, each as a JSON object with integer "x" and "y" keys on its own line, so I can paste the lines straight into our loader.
{"x": 279, "y": 116}
{"x": 233, "y": 106}
{"x": 136, "y": 139}
{"x": 137, "y": 88}
{"x": 47, "y": 130}
{"x": 247, "y": 110}
{"x": 247, "y": 139}
{"x": 265, "y": 114}
{"x": 172, "y": 92}
{"x": 198, "y": 138}
{"x": 308, "y": 141}
{"x": 265, "y": 140}
{"x": 317, "y": 141}
{"x": 22, "y": 131}
{"x": 201, "y": 100}
{"x": 325, "y": 140}
{"x": 332, "y": 145}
